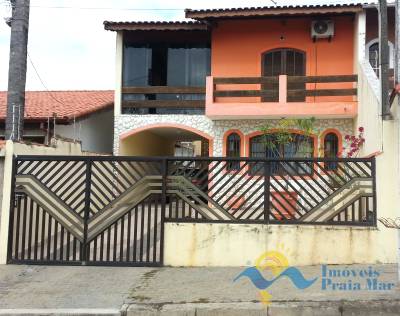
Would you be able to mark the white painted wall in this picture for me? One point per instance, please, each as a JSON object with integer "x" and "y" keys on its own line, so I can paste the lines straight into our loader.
{"x": 95, "y": 132}
{"x": 369, "y": 109}
{"x": 188, "y": 244}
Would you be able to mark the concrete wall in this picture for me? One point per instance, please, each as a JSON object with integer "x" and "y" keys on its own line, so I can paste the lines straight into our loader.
{"x": 147, "y": 144}
{"x": 369, "y": 109}
{"x": 95, "y": 132}
{"x": 188, "y": 244}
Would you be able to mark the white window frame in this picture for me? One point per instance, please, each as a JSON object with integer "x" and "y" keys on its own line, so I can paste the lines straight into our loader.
{"x": 391, "y": 51}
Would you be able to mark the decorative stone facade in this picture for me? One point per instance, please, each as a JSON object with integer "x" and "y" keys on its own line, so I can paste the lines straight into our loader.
{"x": 216, "y": 129}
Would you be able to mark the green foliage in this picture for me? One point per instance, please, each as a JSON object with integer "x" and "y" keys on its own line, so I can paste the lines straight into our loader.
{"x": 277, "y": 136}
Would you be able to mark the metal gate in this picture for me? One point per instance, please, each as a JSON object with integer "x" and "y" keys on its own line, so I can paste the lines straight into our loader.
{"x": 112, "y": 210}
{"x": 85, "y": 210}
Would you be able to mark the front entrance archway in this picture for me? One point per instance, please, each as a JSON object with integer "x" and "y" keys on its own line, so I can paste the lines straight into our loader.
{"x": 166, "y": 140}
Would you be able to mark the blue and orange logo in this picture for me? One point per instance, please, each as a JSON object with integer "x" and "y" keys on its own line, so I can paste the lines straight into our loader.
{"x": 278, "y": 265}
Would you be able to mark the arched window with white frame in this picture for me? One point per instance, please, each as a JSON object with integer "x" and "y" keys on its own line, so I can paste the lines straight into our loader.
{"x": 372, "y": 54}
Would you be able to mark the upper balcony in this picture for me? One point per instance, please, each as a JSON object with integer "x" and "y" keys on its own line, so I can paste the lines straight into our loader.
{"x": 281, "y": 96}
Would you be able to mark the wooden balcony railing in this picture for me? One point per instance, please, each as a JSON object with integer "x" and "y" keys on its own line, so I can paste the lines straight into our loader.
{"x": 152, "y": 97}
{"x": 284, "y": 88}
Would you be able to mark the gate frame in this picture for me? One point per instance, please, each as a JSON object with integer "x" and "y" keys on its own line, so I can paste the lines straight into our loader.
{"x": 88, "y": 160}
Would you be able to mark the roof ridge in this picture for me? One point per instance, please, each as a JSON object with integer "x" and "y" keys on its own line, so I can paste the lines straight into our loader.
{"x": 285, "y": 6}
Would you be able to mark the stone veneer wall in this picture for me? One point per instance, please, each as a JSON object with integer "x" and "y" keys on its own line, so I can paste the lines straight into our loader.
{"x": 216, "y": 129}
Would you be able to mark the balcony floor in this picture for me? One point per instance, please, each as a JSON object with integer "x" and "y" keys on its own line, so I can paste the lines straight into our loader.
{"x": 242, "y": 110}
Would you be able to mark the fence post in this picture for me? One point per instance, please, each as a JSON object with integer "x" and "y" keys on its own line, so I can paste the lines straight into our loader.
{"x": 164, "y": 175}
{"x": 85, "y": 249}
{"x": 267, "y": 180}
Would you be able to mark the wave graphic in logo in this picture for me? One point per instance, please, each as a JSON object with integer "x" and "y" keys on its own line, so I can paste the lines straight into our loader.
{"x": 261, "y": 283}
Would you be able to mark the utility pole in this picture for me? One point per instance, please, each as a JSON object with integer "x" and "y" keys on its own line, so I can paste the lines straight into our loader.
{"x": 17, "y": 69}
{"x": 384, "y": 59}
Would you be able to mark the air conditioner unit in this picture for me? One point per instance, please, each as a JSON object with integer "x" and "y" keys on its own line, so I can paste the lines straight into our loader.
{"x": 322, "y": 29}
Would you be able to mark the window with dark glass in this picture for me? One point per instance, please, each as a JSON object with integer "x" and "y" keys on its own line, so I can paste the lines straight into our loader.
{"x": 233, "y": 151}
{"x": 331, "y": 150}
{"x": 174, "y": 65}
{"x": 373, "y": 54}
{"x": 284, "y": 61}
{"x": 269, "y": 146}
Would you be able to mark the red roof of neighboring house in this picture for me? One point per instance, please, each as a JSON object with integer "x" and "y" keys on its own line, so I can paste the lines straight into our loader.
{"x": 39, "y": 105}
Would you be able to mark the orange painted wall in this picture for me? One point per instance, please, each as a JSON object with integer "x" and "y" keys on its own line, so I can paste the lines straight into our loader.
{"x": 237, "y": 46}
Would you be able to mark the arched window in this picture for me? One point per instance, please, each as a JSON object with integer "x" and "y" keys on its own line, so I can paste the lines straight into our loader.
{"x": 284, "y": 61}
{"x": 233, "y": 144}
{"x": 331, "y": 150}
{"x": 372, "y": 54}
{"x": 292, "y": 145}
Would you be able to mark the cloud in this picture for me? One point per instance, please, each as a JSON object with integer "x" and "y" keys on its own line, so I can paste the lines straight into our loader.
{"x": 71, "y": 49}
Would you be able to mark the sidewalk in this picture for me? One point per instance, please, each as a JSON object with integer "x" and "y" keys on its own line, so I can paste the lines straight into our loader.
{"x": 80, "y": 290}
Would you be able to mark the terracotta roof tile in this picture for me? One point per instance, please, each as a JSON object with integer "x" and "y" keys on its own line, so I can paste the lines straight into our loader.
{"x": 40, "y": 105}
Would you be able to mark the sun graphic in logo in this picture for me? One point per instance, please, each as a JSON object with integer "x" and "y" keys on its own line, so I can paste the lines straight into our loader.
{"x": 274, "y": 261}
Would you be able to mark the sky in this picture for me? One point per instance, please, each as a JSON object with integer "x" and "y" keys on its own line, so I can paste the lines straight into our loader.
{"x": 69, "y": 47}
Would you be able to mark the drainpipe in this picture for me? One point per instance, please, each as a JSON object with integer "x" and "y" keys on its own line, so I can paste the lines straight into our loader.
{"x": 384, "y": 59}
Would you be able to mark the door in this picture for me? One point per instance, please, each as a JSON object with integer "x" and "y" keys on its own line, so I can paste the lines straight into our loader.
{"x": 284, "y": 61}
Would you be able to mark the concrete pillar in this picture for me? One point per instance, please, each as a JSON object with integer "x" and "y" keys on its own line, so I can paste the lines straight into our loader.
{"x": 360, "y": 30}
{"x": 118, "y": 74}
{"x": 5, "y": 206}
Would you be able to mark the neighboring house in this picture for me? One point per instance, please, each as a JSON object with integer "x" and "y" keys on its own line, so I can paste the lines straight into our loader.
{"x": 85, "y": 116}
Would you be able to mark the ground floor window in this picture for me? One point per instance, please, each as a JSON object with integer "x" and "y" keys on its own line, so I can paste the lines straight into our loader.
{"x": 289, "y": 145}
{"x": 331, "y": 150}
{"x": 233, "y": 144}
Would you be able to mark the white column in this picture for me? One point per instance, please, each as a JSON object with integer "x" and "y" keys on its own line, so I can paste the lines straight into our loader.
{"x": 118, "y": 74}
{"x": 5, "y": 205}
{"x": 360, "y": 37}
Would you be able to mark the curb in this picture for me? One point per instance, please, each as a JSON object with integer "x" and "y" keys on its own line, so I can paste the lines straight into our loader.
{"x": 360, "y": 308}
{"x": 60, "y": 312}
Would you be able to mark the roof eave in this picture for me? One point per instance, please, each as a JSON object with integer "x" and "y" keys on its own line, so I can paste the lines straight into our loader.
{"x": 265, "y": 12}
{"x": 150, "y": 26}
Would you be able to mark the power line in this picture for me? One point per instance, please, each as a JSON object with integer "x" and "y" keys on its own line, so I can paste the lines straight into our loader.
{"x": 42, "y": 82}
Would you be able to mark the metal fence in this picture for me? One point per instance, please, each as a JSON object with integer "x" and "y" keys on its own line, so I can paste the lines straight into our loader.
{"x": 112, "y": 210}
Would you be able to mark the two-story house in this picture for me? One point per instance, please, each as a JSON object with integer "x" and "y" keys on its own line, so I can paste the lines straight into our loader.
{"x": 216, "y": 78}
